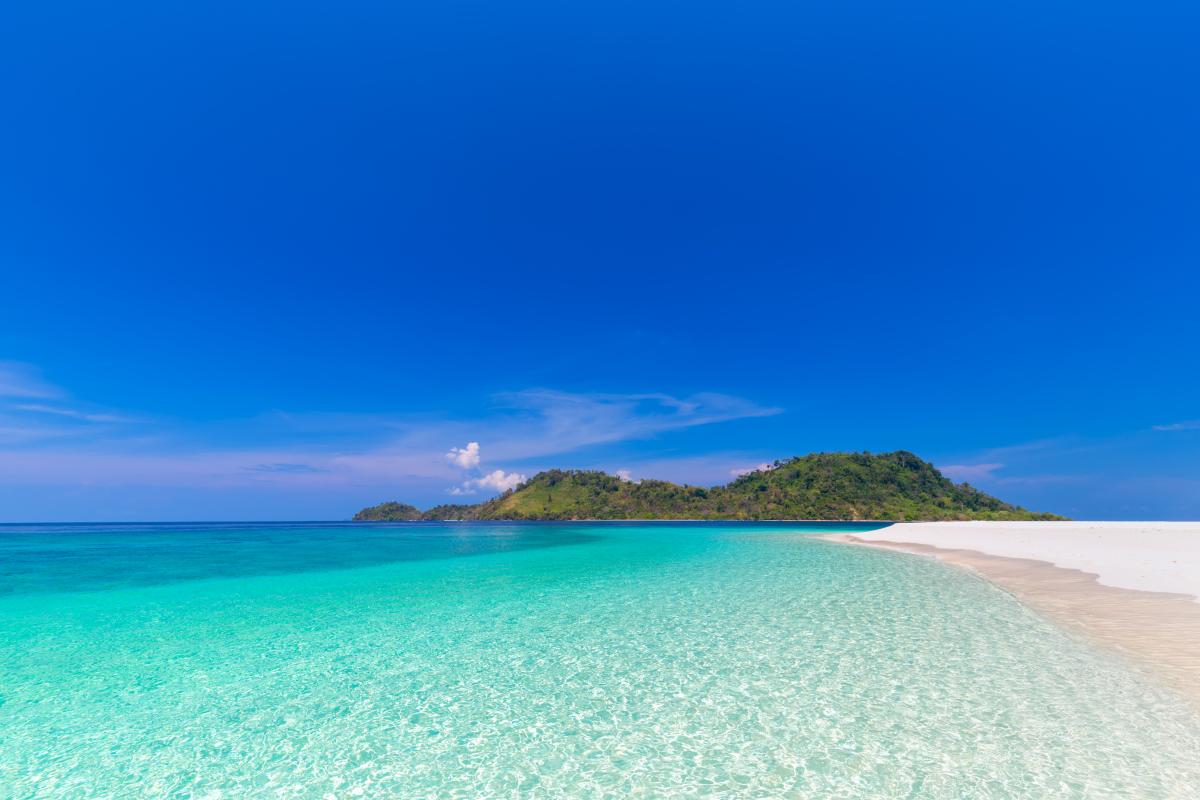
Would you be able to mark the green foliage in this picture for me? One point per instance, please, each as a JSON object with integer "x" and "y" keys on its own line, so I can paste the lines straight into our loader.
{"x": 389, "y": 512}
{"x": 823, "y": 486}
{"x": 450, "y": 511}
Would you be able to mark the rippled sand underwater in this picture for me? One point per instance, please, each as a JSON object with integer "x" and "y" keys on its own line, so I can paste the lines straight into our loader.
{"x": 551, "y": 661}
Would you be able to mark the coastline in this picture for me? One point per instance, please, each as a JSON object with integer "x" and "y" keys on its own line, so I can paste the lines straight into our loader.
{"x": 1129, "y": 602}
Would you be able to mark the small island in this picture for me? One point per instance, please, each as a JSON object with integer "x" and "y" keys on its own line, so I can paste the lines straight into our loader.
{"x": 897, "y": 486}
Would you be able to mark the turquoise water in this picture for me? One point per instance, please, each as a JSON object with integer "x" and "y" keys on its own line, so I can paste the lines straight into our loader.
{"x": 486, "y": 661}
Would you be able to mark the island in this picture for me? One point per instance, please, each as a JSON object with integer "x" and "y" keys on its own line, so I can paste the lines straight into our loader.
{"x": 896, "y": 486}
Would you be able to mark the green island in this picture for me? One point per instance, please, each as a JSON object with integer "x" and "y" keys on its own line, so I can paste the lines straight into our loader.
{"x": 896, "y": 486}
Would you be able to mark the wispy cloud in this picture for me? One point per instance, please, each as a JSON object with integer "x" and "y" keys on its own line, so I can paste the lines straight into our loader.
{"x": 1041, "y": 473}
{"x": 1015, "y": 463}
{"x": 1187, "y": 425}
{"x": 738, "y": 472}
{"x": 969, "y": 472}
{"x": 71, "y": 413}
{"x": 1041, "y": 479}
{"x": 24, "y": 380}
{"x": 47, "y": 438}
{"x": 286, "y": 468}
{"x": 549, "y": 421}
{"x": 33, "y": 410}
{"x": 1013, "y": 452}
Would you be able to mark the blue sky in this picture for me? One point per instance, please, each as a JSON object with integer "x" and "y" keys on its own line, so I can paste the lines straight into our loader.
{"x": 270, "y": 261}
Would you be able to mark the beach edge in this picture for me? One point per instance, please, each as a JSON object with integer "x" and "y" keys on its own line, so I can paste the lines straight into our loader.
{"x": 1156, "y": 632}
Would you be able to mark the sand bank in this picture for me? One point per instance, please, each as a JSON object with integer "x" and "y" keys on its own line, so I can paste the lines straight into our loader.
{"x": 1129, "y": 586}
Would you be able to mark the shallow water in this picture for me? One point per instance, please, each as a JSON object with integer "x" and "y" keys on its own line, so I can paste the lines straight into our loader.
{"x": 481, "y": 661}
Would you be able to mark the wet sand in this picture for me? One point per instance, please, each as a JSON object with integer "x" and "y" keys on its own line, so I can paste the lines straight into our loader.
{"x": 1156, "y": 630}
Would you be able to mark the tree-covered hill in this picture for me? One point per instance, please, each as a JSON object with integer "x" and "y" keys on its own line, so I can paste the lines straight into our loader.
{"x": 389, "y": 512}
{"x": 822, "y": 486}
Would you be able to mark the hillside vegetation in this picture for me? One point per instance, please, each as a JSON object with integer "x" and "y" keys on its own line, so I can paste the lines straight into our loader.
{"x": 822, "y": 486}
{"x": 389, "y": 512}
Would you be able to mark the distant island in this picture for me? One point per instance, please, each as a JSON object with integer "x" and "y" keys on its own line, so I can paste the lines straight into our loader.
{"x": 896, "y": 486}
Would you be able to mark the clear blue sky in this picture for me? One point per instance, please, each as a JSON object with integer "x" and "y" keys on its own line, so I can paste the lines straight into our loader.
{"x": 276, "y": 260}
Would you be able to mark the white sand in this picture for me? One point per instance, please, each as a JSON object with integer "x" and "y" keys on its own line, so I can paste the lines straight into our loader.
{"x": 1131, "y": 587}
{"x": 1149, "y": 556}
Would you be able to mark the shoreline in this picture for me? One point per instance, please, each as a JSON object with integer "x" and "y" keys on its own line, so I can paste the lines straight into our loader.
{"x": 1157, "y": 631}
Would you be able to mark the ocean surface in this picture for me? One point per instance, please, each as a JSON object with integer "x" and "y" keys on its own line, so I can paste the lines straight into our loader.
{"x": 548, "y": 660}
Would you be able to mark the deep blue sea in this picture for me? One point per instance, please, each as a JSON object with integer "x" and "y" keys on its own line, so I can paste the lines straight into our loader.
{"x": 420, "y": 660}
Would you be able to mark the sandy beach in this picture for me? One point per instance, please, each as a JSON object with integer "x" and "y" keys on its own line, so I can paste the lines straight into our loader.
{"x": 1132, "y": 587}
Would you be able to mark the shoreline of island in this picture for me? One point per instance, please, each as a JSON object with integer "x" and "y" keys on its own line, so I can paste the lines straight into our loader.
{"x": 1130, "y": 588}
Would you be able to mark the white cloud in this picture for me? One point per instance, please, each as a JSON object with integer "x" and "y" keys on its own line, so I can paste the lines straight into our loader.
{"x": 497, "y": 480}
{"x": 739, "y": 472}
{"x": 18, "y": 432}
{"x": 33, "y": 411}
{"x": 625, "y": 475}
{"x": 1188, "y": 425}
{"x": 500, "y": 480}
{"x": 71, "y": 413}
{"x": 286, "y": 468}
{"x": 22, "y": 380}
{"x": 468, "y": 458}
{"x": 969, "y": 472}
{"x": 49, "y": 438}
{"x": 550, "y": 422}
{"x": 464, "y": 457}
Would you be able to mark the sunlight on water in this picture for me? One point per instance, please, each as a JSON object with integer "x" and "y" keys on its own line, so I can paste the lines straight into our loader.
{"x": 549, "y": 661}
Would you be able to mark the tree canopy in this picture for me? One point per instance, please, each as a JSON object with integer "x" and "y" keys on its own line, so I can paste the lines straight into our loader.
{"x": 895, "y": 486}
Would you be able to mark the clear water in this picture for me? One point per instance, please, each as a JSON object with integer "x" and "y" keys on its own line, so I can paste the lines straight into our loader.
{"x": 482, "y": 661}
